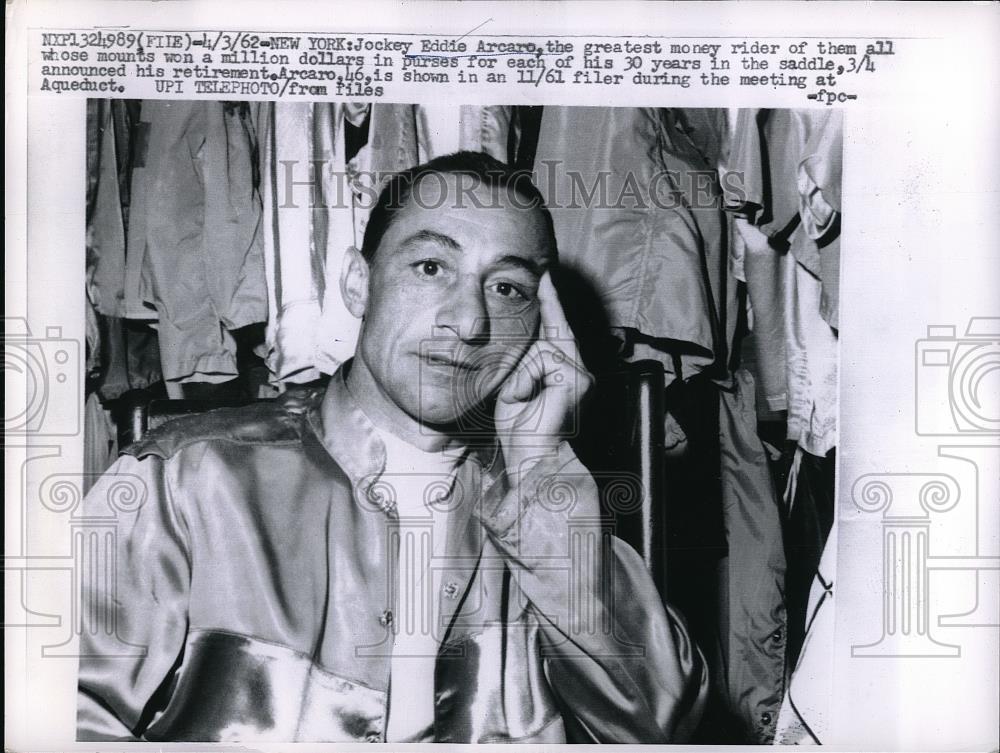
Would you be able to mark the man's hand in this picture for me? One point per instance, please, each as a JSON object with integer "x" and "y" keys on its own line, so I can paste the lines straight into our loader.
{"x": 539, "y": 401}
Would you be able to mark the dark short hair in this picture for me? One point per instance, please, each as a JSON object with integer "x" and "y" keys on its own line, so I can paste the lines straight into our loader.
{"x": 484, "y": 169}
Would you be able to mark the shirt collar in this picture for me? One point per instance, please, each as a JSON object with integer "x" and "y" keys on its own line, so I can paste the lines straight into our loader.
{"x": 353, "y": 441}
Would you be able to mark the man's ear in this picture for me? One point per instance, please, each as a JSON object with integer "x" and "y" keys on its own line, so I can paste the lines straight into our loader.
{"x": 354, "y": 282}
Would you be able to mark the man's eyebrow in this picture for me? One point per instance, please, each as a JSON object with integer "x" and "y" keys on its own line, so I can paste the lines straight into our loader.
{"x": 513, "y": 260}
{"x": 430, "y": 236}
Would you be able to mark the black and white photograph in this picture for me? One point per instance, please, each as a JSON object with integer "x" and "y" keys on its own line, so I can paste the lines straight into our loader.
{"x": 456, "y": 423}
{"x": 421, "y": 374}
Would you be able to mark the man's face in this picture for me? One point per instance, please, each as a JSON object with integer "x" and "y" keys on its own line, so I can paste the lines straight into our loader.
{"x": 452, "y": 303}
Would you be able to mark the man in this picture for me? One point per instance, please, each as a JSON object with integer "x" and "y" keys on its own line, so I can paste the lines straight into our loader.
{"x": 414, "y": 554}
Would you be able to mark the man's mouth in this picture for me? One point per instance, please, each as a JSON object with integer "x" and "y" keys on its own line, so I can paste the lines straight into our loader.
{"x": 443, "y": 360}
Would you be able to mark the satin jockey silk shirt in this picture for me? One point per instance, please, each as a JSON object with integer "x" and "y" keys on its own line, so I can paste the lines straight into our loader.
{"x": 248, "y": 584}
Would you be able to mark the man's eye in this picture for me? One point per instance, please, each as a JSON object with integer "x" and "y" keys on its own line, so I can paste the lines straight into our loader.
{"x": 509, "y": 291}
{"x": 428, "y": 268}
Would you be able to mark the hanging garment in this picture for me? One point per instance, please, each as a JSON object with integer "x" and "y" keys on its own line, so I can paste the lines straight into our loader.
{"x": 765, "y": 154}
{"x": 811, "y": 352}
{"x": 808, "y": 522}
{"x": 129, "y": 357}
{"x": 120, "y": 355}
{"x": 282, "y": 133}
{"x": 301, "y": 158}
{"x": 696, "y": 545}
{"x": 763, "y": 270}
{"x": 805, "y": 716}
{"x": 100, "y": 442}
{"x": 522, "y": 141}
{"x": 444, "y": 128}
{"x": 790, "y": 334}
{"x": 708, "y": 128}
{"x": 637, "y": 217}
{"x": 753, "y": 616}
{"x": 337, "y": 332}
{"x": 392, "y": 147}
{"x": 92, "y": 343}
{"x": 789, "y": 168}
{"x": 726, "y": 562}
{"x": 105, "y": 222}
{"x": 761, "y": 339}
{"x": 195, "y": 260}
{"x": 819, "y": 182}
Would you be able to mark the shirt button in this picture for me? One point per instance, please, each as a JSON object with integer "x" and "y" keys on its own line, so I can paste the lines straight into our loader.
{"x": 385, "y": 618}
{"x": 765, "y": 718}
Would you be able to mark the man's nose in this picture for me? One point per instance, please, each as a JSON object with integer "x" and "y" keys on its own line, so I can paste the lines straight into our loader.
{"x": 464, "y": 314}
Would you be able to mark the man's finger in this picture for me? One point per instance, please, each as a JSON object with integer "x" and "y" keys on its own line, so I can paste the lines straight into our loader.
{"x": 554, "y": 325}
{"x": 527, "y": 378}
{"x": 544, "y": 365}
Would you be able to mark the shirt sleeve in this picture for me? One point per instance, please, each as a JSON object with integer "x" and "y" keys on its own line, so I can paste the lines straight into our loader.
{"x": 619, "y": 660}
{"x": 134, "y": 599}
